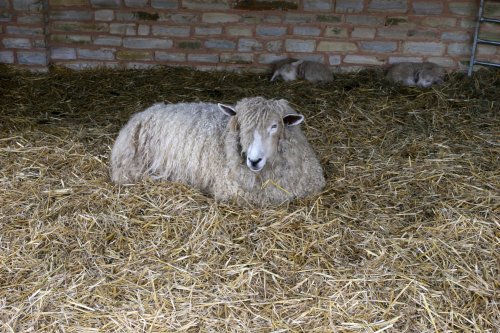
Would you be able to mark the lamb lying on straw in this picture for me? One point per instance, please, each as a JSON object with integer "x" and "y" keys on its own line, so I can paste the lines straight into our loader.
{"x": 421, "y": 75}
{"x": 254, "y": 152}
{"x": 292, "y": 69}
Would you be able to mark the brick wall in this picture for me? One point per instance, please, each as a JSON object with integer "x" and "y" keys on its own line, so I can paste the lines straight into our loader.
{"x": 229, "y": 34}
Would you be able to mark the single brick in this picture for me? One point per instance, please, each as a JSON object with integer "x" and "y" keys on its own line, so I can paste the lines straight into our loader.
{"x": 73, "y": 39}
{"x": 80, "y": 27}
{"x": 17, "y": 43}
{"x": 219, "y": 18}
{"x": 164, "y": 4}
{"x": 329, "y": 18}
{"x": 213, "y": 58}
{"x": 364, "y": 33}
{"x": 425, "y": 48}
{"x": 401, "y": 21}
{"x": 334, "y": 60}
{"x": 393, "y": 32}
{"x": 7, "y": 57}
{"x": 317, "y": 4}
{"x": 311, "y": 57}
{"x": 459, "y": 49}
{"x": 105, "y": 3}
{"x": 27, "y": 5}
{"x": 160, "y": 30}
{"x": 363, "y": 60}
{"x": 63, "y": 53}
{"x": 71, "y": 15}
{"x": 136, "y": 3}
{"x": 128, "y": 29}
{"x": 147, "y": 43}
{"x": 377, "y": 46}
{"x": 181, "y": 18}
{"x": 440, "y": 22}
{"x": 30, "y": 31}
{"x": 220, "y": 44}
{"x": 349, "y": 6}
{"x": 68, "y": 2}
{"x": 105, "y": 40}
{"x": 443, "y": 61}
{"x": 28, "y": 19}
{"x": 396, "y": 60}
{"x": 274, "y": 46}
{"x": 399, "y": 6}
{"x": 207, "y": 30}
{"x": 267, "y": 31}
{"x": 247, "y": 45}
{"x": 422, "y": 34}
{"x": 133, "y": 55}
{"x": 126, "y": 16}
{"x": 206, "y": 4}
{"x": 455, "y": 36}
{"x": 306, "y": 31}
{"x": 143, "y": 30}
{"x": 168, "y": 56}
{"x": 467, "y": 23}
{"x": 298, "y": 45}
{"x": 462, "y": 8}
{"x": 104, "y": 15}
{"x": 239, "y": 31}
{"x": 427, "y": 7}
{"x": 299, "y": 18}
{"x": 360, "y": 20}
{"x": 236, "y": 58}
{"x": 336, "y": 32}
{"x": 32, "y": 58}
{"x": 327, "y": 46}
{"x": 100, "y": 54}
{"x": 189, "y": 44}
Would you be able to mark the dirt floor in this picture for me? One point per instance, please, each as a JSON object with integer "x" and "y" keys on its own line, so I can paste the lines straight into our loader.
{"x": 404, "y": 238}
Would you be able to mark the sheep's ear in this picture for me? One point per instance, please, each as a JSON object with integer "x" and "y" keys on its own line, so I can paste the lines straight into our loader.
{"x": 293, "y": 119}
{"x": 229, "y": 110}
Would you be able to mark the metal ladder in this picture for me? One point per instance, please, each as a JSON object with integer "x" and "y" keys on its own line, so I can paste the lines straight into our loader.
{"x": 481, "y": 19}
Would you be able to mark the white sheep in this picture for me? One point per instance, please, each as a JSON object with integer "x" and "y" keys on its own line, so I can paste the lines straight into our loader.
{"x": 253, "y": 152}
{"x": 416, "y": 74}
{"x": 291, "y": 69}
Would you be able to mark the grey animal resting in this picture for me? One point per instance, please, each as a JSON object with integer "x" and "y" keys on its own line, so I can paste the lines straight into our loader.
{"x": 422, "y": 75}
{"x": 254, "y": 152}
{"x": 292, "y": 69}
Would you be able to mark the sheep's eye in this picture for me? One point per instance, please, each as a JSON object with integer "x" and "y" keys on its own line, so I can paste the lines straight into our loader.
{"x": 273, "y": 127}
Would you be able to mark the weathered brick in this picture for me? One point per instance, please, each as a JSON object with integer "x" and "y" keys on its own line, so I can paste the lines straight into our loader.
{"x": 349, "y": 6}
{"x": 104, "y": 15}
{"x": 440, "y": 22}
{"x": 327, "y": 46}
{"x": 212, "y": 58}
{"x": 73, "y": 39}
{"x": 80, "y": 27}
{"x": 134, "y": 55}
{"x": 128, "y": 29}
{"x": 392, "y": 32}
{"x": 164, "y": 4}
{"x": 427, "y": 7}
{"x": 462, "y": 8}
{"x": 442, "y": 61}
{"x": 425, "y": 48}
{"x": 126, "y": 16}
{"x": 364, "y": 33}
{"x": 422, "y": 34}
{"x": 378, "y": 46}
{"x": 147, "y": 43}
{"x": 329, "y": 18}
{"x": 206, "y": 4}
{"x": 299, "y": 45}
{"x": 32, "y": 58}
{"x": 179, "y": 18}
{"x": 396, "y": 60}
{"x": 7, "y": 57}
{"x": 334, "y": 60}
{"x": 105, "y": 3}
{"x": 267, "y": 31}
{"x": 459, "y": 49}
{"x": 63, "y": 53}
{"x": 363, "y": 60}
{"x": 399, "y": 6}
{"x": 236, "y": 58}
{"x": 189, "y": 44}
{"x": 306, "y": 31}
{"x": 68, "y": 3}
{"x": 30, "y": 31}
{"x": 71, "y": 15}
{"x": 105, "y": 40}
{"x": 219, "y": 18}
{"x": 220, "y": 44}
{"x": 136, "y": 3}
{"x": 401, "y": 21}
{"x": 299, "y": 18}
{"x": 160, "y": 30}
{"x": 207, "y": 30}
{"x": 455, "y": 36}
{"x": 312, "y": 57}
{"x": 361, "y": 20}
{"x": 17, "y": 43}
{"x": 336, "y": 32}
{"x": 247, "y": 45}
{"x": 100, "y": 54}
{"x": 239, "y": 31}
{"x": 28, "y": 5}
{"x": 317, "y": 4}
{"x": 39, "y": 44}
{"x": 29, "y": 19}
{"x": 143, "y": 30}
{"x": 274, "y": 46}
{"x": 169, "y": 56}
{"x": 467, "y": 23}
{"x": 268, "y": 58}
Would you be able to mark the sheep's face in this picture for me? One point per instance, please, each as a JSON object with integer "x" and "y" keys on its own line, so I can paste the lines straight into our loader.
{"x": 427, "y": 78}
{"x": 259, "y": 141}
{"x": 288, "y": 72}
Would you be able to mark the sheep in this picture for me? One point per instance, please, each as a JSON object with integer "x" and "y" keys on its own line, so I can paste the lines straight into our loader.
{"x": 421, "y": 75}
{"x": 253, "y": 153}
{"x": 292, "y": 69}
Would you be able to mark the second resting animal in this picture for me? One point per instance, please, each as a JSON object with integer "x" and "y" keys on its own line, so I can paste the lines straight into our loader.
{"x": 422, "y": 75}
{"x": 291, "y": 69}
{"x": 254, "y": 152}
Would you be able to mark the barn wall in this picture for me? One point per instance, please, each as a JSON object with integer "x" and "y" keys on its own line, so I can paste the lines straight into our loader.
{"x": 227, "y": 34}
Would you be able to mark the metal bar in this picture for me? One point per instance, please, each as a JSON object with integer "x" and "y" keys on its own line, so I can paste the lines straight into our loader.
{"x": 488, "y": 41}
{"x": 474, "y": 44}
{"x": 485, "y": 63}
{"x": 490, "y": 20}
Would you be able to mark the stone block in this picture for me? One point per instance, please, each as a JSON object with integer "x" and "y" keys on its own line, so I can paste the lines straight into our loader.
{"x": 455, "y": 36}
{"x": 394, "y": 6}
{"x": 327, "y": 46}
{"x": 105, "y": 40}
{"x": 71, "y": 15}
{"x": 306, "y": 31}
{"x": 104, "y": 15}
{"x": 6, "y": 57}
{"x": 376, "y": 46}
{"x": 168, "y": 56}
{"x": 299, "y": 18}
{"x": 363, "y": 33}
{"x": 29, "y": 31}
{"x": 161, "y": 30}
{"x": 128, "y": 29}
{"x": 393, "y": 32}
{"x": 396, "y": 60}
{"x": 164, "y": 4}
{"x": 219, "y": 18}
{"x": 71, "y": 39}
{"x": 248, "y": 45}
{"x": 349, "y": 6}
{"x": 32, "y": 58}
{"x": 136, "y": 3}
{"x": 63, "y": 53}
{"x": 239, "y": 31}
{"x": 336, "y": 32}
{"x": 189, "y": 44}
{"x": 462, "y": 8}
{"x": 270, "y": 31}
{"x": 100, "y": 54}
{"x": 134, "y": 55}
{"x": 207, "y": 30}
{"x": 206, "y": 4}
{"x": 363, "y": 60}
{"x": 440, "y": 22}
{"x": 147, "y": 43}
{"x": 361, "y": 20}
{"x": 424, "y": 48}
{"x": 299, "y": 45}
{"x": 220, "y": 44}
{"x": 80, "y": 27}
{"x": 236, "y": 58}
{"x": 17, "y": 43}
{"x": 211, "y": 58}
{"x": 317, "y": 5}
{"x": 427, "y": 7}
{"x": 274, "y": 46}
{"x": 105, "y": 3}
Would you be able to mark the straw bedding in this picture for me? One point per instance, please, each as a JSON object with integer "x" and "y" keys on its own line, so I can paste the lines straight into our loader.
{"x": 404, "y": 238}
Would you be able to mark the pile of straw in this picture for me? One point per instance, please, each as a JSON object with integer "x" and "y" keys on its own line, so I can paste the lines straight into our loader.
{"x": 404, "y": 238}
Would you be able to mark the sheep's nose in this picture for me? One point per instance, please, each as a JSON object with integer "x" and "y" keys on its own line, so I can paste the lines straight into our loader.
{"x": 255, "y": 162}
